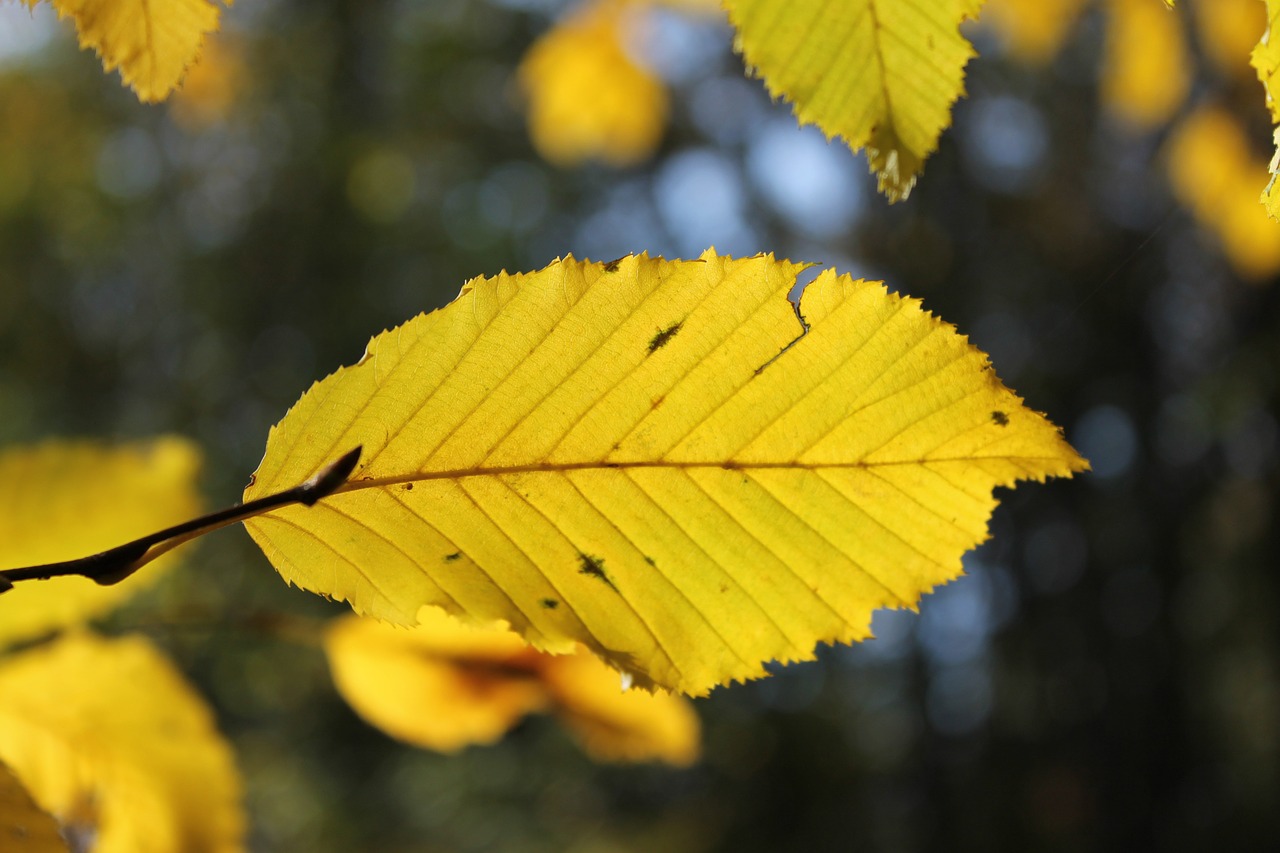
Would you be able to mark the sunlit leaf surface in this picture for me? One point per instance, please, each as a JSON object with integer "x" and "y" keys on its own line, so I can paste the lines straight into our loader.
{"x": 1266, "y": 59}
{"x": 109, "y": 738}
{"x": 62, "y": 500}
{"x": 881, "y": 74}
{"x": 648, "y": 457}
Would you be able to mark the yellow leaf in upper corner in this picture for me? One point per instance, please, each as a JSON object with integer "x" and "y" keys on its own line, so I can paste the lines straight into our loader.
{"x": 61, "y": 500}
{"x": 588, "y": 99}
{"x": 1214, "y": 173}
{"x": 1146, "y": 70}
{"x": 882, "y": 74}
{"x": 617, "y": 725}
{"x": 112, "y": 741}
{"x": 1265, "y": 59}
{"x": 24, "y": 827}
{"x": 151, "y": 43}
{"x": 648, "y": 457}
{"x": 1033, "y": 29}
{"x": 443, "y": 685}
{"x": 1228, "y": 30}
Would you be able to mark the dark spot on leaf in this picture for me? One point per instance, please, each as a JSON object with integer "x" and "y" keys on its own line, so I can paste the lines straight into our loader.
{"x": 724, "y": 587}
{"x": 408, "y": 487}
{"x": 658, "y": 400}
{"x": 449, "y": 558}
{"x": 594, "y": 567}
{"x": 550, "y": 603}
{"x": 650, "y": 561}
{"x": 663, "y": 337}
{"x": 1000, "y": 418}
{"x": 612, "y": 266}
{"x": 253, "y": 478}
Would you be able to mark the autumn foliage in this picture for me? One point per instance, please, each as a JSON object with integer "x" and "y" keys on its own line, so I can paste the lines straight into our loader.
{"x": 594, "y": 489}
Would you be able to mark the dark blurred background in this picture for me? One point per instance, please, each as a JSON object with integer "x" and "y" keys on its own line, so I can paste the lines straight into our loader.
{"x": 1106, "y": 677}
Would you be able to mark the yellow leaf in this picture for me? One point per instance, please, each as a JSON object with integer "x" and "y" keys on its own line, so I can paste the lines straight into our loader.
{"x": 647, "y": 457}
{"x": 443, "y": 685}
{"x": 617, "y": 725}
{"x": 1265, "y": 59}
{"x": 1145, "y": 84}
{"x": 587, "y": 98}
{"x": 110, "y": 740}
{"x": 65, "y": 499}
{"x": 1033, "y": 29}
{"x": 1228, "y": 31}
{"x": 882, "y": 74}
{"x": 24, "y": 828}
{"x": 151, "y": 43}
{"x": 1214, "y": 174}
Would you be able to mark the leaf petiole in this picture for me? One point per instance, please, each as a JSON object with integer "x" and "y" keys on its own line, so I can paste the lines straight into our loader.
{"x": 116, "y": 564}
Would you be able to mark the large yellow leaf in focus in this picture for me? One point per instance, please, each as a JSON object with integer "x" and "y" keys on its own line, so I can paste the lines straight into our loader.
{"x": 112, "y": 741}
{"x": 882, "y": 74}
{"x": 1033, "y": 29}
{"x": 647, "y": 457}
{"x": 1214, "y": 173}
{"x": 445, "y": 685}
{"x": 65, "y": 499}
{"x": 24, "y": 827}
{"x": 1265, "y": 59}
{"x": 1146, "y": 69}
{"x": 152, "y": 43}
{"x": 587, "y": 98}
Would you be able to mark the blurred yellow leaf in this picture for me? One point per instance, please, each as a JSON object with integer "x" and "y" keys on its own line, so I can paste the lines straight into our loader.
{"x": 882, "y": 74}
{"x": 1214, "y": 173}
{"x": 1228, "y": 30}
{"x": 648, "y": 457}
{"x": 24, "y": 828}
{"x": 1033, "y": 29}
{"x": 1146, "y": 69}
{"x": 211, "y": 86}
{"x": 445, "y": 685}
{"x": 151, "y": 43}
{"x": 65, "y": 499}
{"x": 1266, "y": 59}
{"x": 588, "y": 99}
{"x": 111, "y": 740}
{"x": 617, "y": 725}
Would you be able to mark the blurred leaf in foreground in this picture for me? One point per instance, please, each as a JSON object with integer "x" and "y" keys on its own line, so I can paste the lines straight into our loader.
{"x": 151, "y": 43}
{"x": 658, "y": 459}
{"x": 1147, "y": 67}
{"x": 24, "y": 827}
{"x": 881, "y": 74}
{"x": 111, "y": 741}
{"x": 1033, "y": 29}
{"x": 444, "y": 685}
{"x": 66, "y": 499}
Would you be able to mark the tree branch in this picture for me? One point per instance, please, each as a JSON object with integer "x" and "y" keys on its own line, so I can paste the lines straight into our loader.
{"x": 114, "y": 565}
